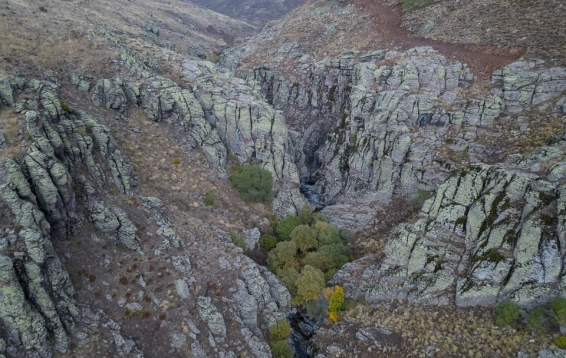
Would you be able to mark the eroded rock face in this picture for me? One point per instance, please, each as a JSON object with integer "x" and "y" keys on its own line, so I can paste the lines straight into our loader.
{"x": 359, "y": 124}
{"x": 221, "y": 114}
{"x": 489, "y": 234}
{"x": 38, "y": 302}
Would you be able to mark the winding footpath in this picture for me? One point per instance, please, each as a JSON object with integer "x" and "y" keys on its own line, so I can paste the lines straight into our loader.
{"x": 482, "y": 59}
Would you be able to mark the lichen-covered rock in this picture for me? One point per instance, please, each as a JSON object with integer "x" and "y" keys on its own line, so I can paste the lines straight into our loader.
{"x": 489, "y": 234}
{"x": 22, "y": 321}
{"x": 109, "y": 94}
{"x": 164, "y": 100}
{"x": 6, "y": 93}
{"x": 248, "y": 127}
{"x": 170, "y": 236}
{"x": 116, "y": 223}
{"x": 3, "y": 141}
{"x": 251, "y": 238}
{"x": 81, "y": 80}
{"x": 211, "y": 316}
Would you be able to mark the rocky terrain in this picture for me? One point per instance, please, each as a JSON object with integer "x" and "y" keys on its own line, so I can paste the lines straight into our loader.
{"x": 113, "y": 128}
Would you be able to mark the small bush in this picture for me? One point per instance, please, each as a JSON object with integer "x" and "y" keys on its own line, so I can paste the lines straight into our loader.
{"x": 238, "y": 239}
{"x": 281, "y": 349}
{"x": 210, "y": 197}
{"x": 64, "y": 105}
{"x": 507, "y": 314}
{"x": 82, "y": 131}
{"x": 560, "y": 342}
{"x": 335, "y": 302}
{"x": 286, "y": 226}
{"x": 176, "y": 161}
{"x": 268, "y": 242}
{"x": 279, "y": 331}
{"x": 535, "y": 321}
{"x": 347, "y": 235}
{"x": 558, "y": 309}
{"x": 254, "y": 183}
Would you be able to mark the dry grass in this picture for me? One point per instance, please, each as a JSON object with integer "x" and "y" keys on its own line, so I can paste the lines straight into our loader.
{"x": 10, "y": 128}
{"x": 67, "y": 35}
{"x": 537, "y": 25}
{"x": 452, "y": 331}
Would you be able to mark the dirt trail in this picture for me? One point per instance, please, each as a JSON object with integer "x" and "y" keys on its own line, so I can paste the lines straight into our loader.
{"x": 482, "y": 59}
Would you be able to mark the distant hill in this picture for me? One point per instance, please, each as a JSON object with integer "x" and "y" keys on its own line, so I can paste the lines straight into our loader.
{"x": 257, "y": 12}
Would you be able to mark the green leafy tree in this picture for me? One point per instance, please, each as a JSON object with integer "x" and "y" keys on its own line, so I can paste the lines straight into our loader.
{"x": 280, "y": 330}
{"x": 321, "y": 226}
{"x": 328, "y": 259}
{"x": 281, "y": 349}
{"x": 319, "y": 217}
{"x": 329, "y": 236}
{"x": 507, "y": 314}
{"x": 305, "y": 238}
{"x": 283, "y": 255}
{"x": 288, "y": 277}
{"x": 286, "y": 226}
{"x": 309, "y": 284}
{"x": 254, "y": 183}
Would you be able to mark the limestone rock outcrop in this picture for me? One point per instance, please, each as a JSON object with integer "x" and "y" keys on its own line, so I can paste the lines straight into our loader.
{"x": 38, "y": 305}
{"x": 488, "y": 234}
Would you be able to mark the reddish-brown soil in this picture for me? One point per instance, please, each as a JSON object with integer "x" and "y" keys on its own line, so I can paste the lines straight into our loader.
{"x": 482, "y": 59}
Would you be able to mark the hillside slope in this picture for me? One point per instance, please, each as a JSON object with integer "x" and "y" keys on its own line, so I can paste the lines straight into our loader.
{"x": 257, "y": 12}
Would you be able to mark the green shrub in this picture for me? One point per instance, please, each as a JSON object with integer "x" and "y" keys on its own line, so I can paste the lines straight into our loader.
{"x": 286, "y": 226}
{"x": 268, "y": 242}
{"x": 535, "y": 322}
{"x": 347, "y": 235}
{"x": 309, "y": 284}
{"x": 210, "y": 197}
{"x": 279, "y": 331}
{"x": 560, "y": 342}
{"x": 558, "y": 309}
{"x": 305, "y": 238}
{"x": 238, "y": 240}
{"x": 281, "y": 349}
{"x": 507, "y": 314}
{"x": 254, "y": 183}
{"x": 64, "y": 106}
